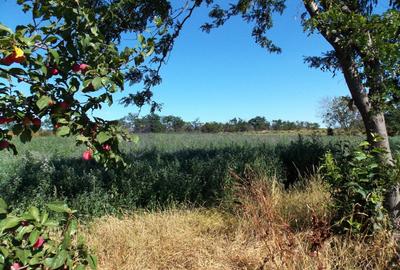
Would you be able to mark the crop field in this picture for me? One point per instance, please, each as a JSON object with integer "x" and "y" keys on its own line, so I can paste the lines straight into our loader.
{"x": 199, "y": 201}
{"x": 163, "y": 169}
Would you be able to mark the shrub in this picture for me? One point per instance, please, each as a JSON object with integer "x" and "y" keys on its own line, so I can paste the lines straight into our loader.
{"x": 32, "y": 240}
{"x": 359, "y": 182}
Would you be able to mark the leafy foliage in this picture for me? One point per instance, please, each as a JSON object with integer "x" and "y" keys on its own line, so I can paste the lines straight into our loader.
{"x": 37, "y": 240}
{"x": 370, "y": 39}
{"x": 359, "y": 183}
{"x": 68, "y": 62}
{"x": 165, "y": 168}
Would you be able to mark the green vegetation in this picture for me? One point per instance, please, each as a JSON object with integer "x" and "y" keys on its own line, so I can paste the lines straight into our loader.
{"x": 37, "y": 240}
{"x": 158, "y": 124}
{"x": 359, "y": 183}
{"x": 164, "y": 169}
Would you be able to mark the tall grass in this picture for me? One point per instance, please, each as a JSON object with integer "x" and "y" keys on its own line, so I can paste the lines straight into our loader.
{"x": 270, "y": 228}
{"x": 164, "y": 169}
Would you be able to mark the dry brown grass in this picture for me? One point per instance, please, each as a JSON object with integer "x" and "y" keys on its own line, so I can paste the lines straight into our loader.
{"x": 272, "y": 229}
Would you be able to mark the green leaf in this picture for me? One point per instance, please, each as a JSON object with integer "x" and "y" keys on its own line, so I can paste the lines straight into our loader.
{"x": 102, "y": 137}
{"x": 17, "y": 71}
{"x": 57, "y": 261}
{"x": 43, "y": 102}
{"x": 34, "y": 212}
{"x": 9, "y": 223}
{"x": 4, "y": 28}
{"x": 51, "y": 39}
{"x": 34, "y": 236}
{"x": 73, "y": 227}
{"x": 24, "y": 230}
{"x": 63, "y": 131}
{"x": 140, "y": 38}
{"x": 17, "y": 129}
{"x": 26, "y": 135}
{"x": 37, "y": 259}
{"x": 45, "y": 216}
{"x": 71, "y": 230}
{"x": 97, "y": 83}
{"x": 59, "y": 207}
{"x": 55, "y": 55}
{"x": 23, "y": 255}
{"x": 5, "y": 251}
{"x": 92, "y": 260}
{"x": 82, "y": 138}
{"x": 3, "y": 206}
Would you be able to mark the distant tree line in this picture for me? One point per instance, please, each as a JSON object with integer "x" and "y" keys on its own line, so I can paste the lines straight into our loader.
{"x": 157, "y": 124}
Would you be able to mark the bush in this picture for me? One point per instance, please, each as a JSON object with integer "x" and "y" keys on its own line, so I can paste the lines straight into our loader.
{"x": 32, "y": 240}
{"x": 359, "y": 182}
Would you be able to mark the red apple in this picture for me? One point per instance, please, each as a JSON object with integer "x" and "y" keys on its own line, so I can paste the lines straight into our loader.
{"x": 64, "y": 105}
{"x": 5, "y": 120}
{"x": 26, "y": 121}
{"x": 76, "y": 67}
{"x": 17, "y": 56}
{"x": 83, "y": 68}
{"x": 87, "y": 155}
{"x": 57, "y": 125}
{"x": 8, "y": 60}
{"x": 15, "y": 266}
{"x": 106, "y": 147}
{"x": 54, "y": 71}
{"x": 4, "y": 144}
{"x": 39, "y": 242}
{"x": 20, "y": 59}
{"x": 37, "y": 122}
{"x": 24, "y": 223}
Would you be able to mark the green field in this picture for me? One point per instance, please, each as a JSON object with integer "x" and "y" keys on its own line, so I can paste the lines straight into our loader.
{"x": 164, "y": 169}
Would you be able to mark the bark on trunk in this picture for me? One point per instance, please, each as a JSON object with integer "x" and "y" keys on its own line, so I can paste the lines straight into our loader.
{"x": 375, "y": 125}
{"x": 374, "y": 122}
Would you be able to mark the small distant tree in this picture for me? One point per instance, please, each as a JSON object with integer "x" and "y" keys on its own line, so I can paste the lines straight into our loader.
{"x": 259, "y": 123}
{"x": 195, "y": 125}
{"x": 173, "y": 123}
{"x": 212, "y": 127}
{"x": 152, "y": 123}
{"x": 340, "y": 112}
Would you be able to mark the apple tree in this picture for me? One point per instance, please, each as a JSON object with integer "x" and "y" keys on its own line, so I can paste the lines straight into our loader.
{"x": 70, "y": 60}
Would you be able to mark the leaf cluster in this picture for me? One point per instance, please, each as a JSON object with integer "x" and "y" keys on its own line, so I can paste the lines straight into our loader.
{"x": 40, "y": 240}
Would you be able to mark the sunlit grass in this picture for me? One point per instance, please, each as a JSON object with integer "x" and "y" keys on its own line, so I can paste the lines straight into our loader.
{"x": 270, "y": 229}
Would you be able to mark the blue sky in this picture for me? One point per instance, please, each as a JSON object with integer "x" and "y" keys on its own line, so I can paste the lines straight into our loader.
{"x": 224, "y": 74}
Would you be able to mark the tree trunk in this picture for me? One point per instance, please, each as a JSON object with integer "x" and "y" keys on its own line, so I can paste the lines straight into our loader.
{"x": 375, "y": 125}
{"x": 374, "y": 121}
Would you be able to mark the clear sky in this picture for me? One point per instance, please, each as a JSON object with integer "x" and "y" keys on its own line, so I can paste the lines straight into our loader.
{"x": 224, "y": 74}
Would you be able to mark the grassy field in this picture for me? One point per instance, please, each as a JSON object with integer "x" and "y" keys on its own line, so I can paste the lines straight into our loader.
{"x": 270, "y": 228}
{"x": 200, "y": 201}
{"x": 164, "y": 169}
